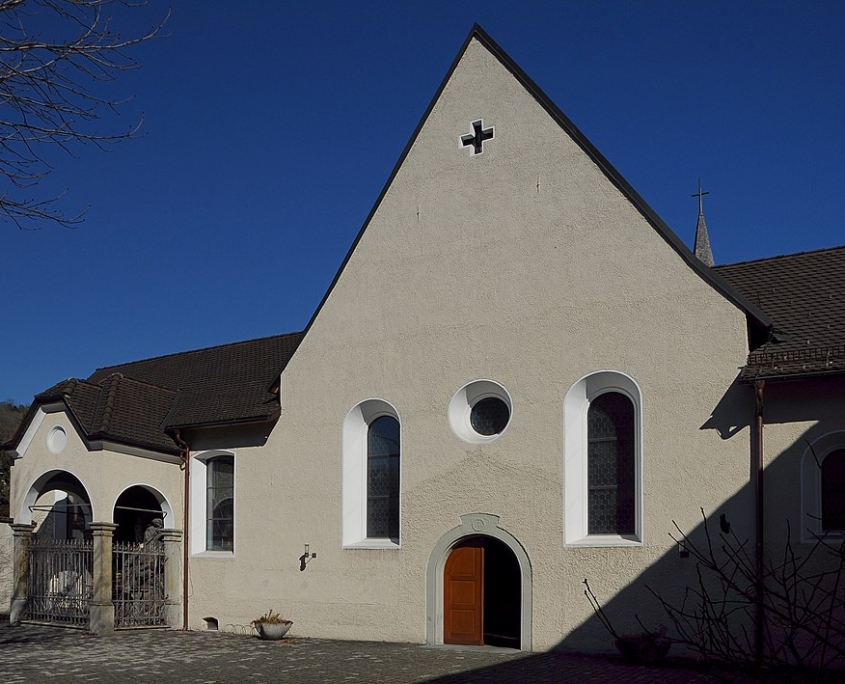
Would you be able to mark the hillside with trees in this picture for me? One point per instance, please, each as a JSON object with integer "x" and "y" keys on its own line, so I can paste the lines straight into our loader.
{"x": 11, "y": 415}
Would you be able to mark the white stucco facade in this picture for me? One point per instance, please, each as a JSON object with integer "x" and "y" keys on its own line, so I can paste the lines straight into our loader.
{"x": 523, "y": 265}
{"x": 527, "y": 272}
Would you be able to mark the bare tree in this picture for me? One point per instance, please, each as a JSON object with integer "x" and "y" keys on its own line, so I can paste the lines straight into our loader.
{"x": 803, "y": 599}
{"x": 54, "y": 56}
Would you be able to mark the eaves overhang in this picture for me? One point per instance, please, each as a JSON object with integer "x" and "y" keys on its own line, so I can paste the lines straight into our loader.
{"x": 235, "y": 422}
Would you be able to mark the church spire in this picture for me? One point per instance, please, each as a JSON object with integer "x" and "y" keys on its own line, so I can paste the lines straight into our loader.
{"x": 702, "y": 239}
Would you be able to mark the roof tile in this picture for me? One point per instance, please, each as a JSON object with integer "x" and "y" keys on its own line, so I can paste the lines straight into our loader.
{"x": 804, "y": 294}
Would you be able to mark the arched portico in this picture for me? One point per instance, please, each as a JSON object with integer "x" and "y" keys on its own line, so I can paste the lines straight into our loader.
{"x": 474, "y": 525}
{"x": 135, "y": 508}
{"x": 55, "y": 480}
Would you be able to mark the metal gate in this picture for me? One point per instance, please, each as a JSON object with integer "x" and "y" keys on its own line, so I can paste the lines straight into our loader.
{"x": 138, "y": 588}
{"x": 59, "y": 582}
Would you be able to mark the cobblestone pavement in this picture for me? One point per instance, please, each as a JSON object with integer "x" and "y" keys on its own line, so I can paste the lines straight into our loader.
{"x": 34, "y": 654}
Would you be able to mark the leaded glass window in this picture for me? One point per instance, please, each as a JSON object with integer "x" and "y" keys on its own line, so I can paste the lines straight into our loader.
{"x": 610, "y": 465}
{"x": 833, "y": 491}
{"x": 220, "y": 509}
{"x": 489, "y": 416}
{"x": 383, "y": 479}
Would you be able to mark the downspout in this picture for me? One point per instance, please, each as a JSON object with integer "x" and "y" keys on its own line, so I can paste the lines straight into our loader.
{"x": 757, "y": 466}
{"x": 186, "y": 505}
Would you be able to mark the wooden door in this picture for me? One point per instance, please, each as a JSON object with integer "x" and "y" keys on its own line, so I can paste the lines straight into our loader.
{"x": 463, "y": 594}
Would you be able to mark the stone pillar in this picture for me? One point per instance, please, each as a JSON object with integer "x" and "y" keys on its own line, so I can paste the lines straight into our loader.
{"x": 172, "y": 540}
{"x": 102, "y": 606}
{"x": 22, "y": 534}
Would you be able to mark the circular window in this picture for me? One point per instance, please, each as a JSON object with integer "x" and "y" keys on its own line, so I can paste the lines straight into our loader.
{"x": 489, "y": 416}
{"x": 480, "y": 411}
{"x": 57, "y": 439}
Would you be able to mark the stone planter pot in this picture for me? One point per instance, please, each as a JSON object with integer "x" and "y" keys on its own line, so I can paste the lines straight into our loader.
{"x": 272, "y": 630}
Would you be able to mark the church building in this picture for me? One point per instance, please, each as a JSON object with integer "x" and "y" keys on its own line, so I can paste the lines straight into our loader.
{"x": 519, "y": 378}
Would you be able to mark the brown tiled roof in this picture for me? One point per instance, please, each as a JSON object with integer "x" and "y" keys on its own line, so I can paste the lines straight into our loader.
{"x": 805, "y": 296}
{"x": 225, "y": 384}
{"x": 138, "y": 403}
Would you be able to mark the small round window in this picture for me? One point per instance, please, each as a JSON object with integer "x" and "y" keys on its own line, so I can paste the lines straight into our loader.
{"x": 480, "y": 411}
{"x": 489, "y": 416}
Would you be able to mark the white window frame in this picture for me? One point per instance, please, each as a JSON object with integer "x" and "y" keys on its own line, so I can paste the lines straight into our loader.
{"x": 575, "y": 407}
{"x": 811, "y": 487}
{"x": 356, "y": 426}
{"x": 199, "y": 512}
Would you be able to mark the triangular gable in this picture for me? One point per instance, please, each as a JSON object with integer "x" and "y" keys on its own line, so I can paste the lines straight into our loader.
{"x": 759, "y": 322}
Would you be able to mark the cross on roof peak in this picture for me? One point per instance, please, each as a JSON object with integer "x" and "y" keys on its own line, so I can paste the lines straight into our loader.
{"x": 700, "y": 196}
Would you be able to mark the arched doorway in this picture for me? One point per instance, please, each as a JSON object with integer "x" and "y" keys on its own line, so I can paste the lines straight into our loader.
{"x": 139, "y": 583}
{"x": 54, "y": 583}
{"x": 482, "y": 594}
{"x": 487, "y": 575}
{"x": 134, "y": 512}
{"x": 59, "y": 505}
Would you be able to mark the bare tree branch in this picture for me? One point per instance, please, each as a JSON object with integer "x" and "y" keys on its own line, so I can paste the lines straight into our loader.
{"x": 803, "y": 597}
{"x": 53, "y": 56}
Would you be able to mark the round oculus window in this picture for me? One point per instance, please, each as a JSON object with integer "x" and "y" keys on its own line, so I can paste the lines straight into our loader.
{"x": 480, "y": 411}
{"x": 489, "y": 416}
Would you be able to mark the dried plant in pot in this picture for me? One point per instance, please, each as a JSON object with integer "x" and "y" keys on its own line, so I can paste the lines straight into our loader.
{"x": 646, "y": 648}
{"x": 271, "y": 626}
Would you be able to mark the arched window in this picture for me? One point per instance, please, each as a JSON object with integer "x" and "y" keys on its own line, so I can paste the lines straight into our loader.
{"x": 823, "y": 488}
{"x": 603, "y": 461}
{"x": 383, "y": 478}
{"x": 220, "y": 508}
{"x": 833, "y": 491}
{"x": 372, "y": 473}
{"x": 610, "y": 465}
{"x": 213, "y": 506}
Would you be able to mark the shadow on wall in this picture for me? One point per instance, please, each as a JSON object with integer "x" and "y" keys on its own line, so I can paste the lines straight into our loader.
{"x": 636, "y": 608}
{"x": 730, "y": 533}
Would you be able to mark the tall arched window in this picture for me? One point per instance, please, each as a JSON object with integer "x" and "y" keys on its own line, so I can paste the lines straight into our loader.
{"x": 220, "y": 508}
{"x": 603, "y": 461}
{"x": 833, "y": 491}
{"x": 372, "y": 475}
{"x": 383, "y": 479}
{"x": 823, "y": 488}
{"x": 610, "y": 465}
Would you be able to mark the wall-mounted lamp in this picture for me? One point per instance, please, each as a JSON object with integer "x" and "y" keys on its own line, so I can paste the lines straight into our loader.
{"x": 305, "y": 557}
{"x": 683, "y": 552}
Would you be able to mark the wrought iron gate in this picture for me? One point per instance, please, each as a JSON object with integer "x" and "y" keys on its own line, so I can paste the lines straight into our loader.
{"x": 59, "y": 581}
{"x": 138, "y": 587}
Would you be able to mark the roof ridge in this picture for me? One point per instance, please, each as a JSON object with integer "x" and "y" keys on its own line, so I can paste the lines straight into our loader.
{"x": 111, "y": 396}
{"x": 781, "y": 256}
{"x": 138, "y": 381}
{"x": 194, "y": 351}
{"x": 64, "y": 388}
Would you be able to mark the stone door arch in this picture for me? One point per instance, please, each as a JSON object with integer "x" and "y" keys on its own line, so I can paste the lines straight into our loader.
{"x": 476, "y": 525}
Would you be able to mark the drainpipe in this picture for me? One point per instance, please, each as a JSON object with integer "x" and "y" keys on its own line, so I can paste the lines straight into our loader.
{"x": 757, "y": 465}
{"x": 186, "y": 537}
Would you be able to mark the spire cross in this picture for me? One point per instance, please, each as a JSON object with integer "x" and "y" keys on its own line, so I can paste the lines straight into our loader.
{"x": 700, "y": 196}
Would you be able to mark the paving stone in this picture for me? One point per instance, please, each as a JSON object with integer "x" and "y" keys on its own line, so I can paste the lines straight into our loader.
{"x": 32, "y": 654}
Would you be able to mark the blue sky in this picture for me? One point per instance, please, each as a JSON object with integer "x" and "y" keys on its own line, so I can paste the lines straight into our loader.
{"x": 270, "y": 128}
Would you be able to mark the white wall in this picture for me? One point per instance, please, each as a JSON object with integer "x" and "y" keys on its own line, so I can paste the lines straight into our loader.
{"x": 523, "y": 265}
